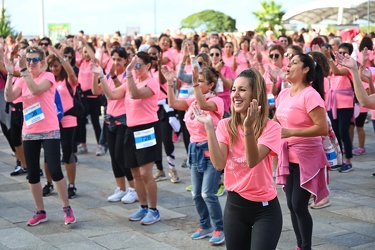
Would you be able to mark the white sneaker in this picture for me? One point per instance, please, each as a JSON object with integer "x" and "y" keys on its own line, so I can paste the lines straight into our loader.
{"x": 100, "y": 151}
{"x": 117, "y": 196}
{"x": 130, "y": 197}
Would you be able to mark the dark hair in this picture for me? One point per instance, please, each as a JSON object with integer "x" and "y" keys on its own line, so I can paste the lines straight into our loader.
{"x": 329, "y": 46}
{"x": 322, "y": 60}
{"x": 366, "y": 43}
{"x": 205, "y": 57}
{"x": 204, "y": 45}
{"x": 165, "y": 35}
{"x": 121, "y": 52}
{"x": 297, "y": 48}
{"x": 178, "y": 43}
{"x": 144, "y": 56}
{"x": 216, "y": 46}
{"x": 70, "y": 50}
{"x": 45, "y": 39}
{"x": 314, "y": 75}
{"x": 277, "y": 47}
{"x": 211, "y": 75}
{"x": 51, "y": 59}
{"x": 157, "y": 47}
{"x": 348, "y": 46}
{"x": 317, "y": 40}
{"x": 137, "y": 42}
{"x": 91, "y": 46}
{"x": 245, "y": 38}
{"x": 69, "y": 36}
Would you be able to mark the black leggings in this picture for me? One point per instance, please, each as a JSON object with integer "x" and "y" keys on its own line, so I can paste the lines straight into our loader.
{"x": 7, "y": 134}
{"x": 183, "y": 130}
{"x": 166, "y": 133}
{"x": 341, "y": 127}
{"x": 67, "y": 144}
{"x": 115, "y": 142}
{"x": 297, "y": 200}
{"x": 51, "y": 155}
{"x": 93, "y": 109}
{"x": 16, "y": 121}
{"x": 251, "y": 225}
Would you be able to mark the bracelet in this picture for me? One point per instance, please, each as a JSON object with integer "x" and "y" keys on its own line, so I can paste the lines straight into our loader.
{"x": 330, "y": 60}
{"x": 101, "y": 77}
{"x": 23, "y": 70}
{"x": 63, "y": 60}
{"x": 9, "y": 75}
{"x": 129, "y": 76}
{"x": 171, "y": 85}
{"x": 248, "y": 134}
{"x": 24, "y": 75}
{"x": 260, "y": 64}
{"x": 114, "y": 77}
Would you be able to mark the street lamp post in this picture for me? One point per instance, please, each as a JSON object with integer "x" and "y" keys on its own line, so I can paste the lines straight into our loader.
{"x": 41, "y": 18}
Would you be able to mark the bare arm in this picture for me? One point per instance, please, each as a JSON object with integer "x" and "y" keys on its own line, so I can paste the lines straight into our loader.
{"x": 172, "y": 101}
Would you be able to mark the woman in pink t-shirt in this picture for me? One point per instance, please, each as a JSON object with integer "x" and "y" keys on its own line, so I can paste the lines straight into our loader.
{"x": 168, "y": 53}
{"x": 224, "y": 83}
{"x": 340, "y": 105}
{"x": 142, "y": 146}
{"x": 40, "y": 127}
{"x": 302, "y": 165}
{"x": 66, "y": 84}
{"x": 204, "y": 176}
{"x": 243, "y": 147}
{"x": 242, "y": 57}
{"x": 116, "y": 124}
{"x": 228, "y": 56}
{"x": 366, "y": 52}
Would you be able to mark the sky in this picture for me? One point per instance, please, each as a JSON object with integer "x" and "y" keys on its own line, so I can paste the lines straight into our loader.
{"x": 106, "y": 17}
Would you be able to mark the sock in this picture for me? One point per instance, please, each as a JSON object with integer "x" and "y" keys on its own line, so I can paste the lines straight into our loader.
{"x": 144, "y": 206}
{"x": 171, "y": 161}
{"x": 153, "y": 209}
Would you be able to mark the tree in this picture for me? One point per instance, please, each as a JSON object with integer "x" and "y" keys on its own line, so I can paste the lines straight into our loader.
{"x": 209, "y": 20}
{"x": 5, "y": 27}
{"x": 270, "y": 18}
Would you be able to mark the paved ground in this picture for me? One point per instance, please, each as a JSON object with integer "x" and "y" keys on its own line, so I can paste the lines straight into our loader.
{"x": 349, "y": 223}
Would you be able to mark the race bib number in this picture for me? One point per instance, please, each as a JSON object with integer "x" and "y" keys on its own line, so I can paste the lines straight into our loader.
{"x": 145, "y": 138}
{"x": 184, "y": 92}
{"x": 33, "y": 114}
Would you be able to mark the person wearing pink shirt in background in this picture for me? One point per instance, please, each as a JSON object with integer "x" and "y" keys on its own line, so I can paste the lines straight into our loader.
{"x": 228, "y": 56}
{"x": 116, "y": 124}
{"x": 64, "y": 75}
{"x": 302, "y": 165}
{"x": 242, "y": 57}
{"x": 225, "y": 79}
{"x": 168, "y": 53}
{"x": 204, "y": 176}
{"x": 340, "y": 105}
{"x": 366, "y": 52}
{"x": 142, "y": 146}
{"x": 244, "y": 145}
{"x": 364, "y": 99}
{"x": 40, "y": 127}
{"x": 93, "y": 103}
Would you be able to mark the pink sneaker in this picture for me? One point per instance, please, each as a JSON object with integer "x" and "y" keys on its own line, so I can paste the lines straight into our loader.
{"x": 37, "y": 218}
{"x": 68, "y": 215}
{"x": 359, "y": 151}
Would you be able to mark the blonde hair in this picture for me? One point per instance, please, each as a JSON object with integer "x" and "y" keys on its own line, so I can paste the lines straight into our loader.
{"x": 258, "y": 92}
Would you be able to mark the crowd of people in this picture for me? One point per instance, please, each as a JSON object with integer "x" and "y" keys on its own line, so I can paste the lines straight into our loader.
{"x": 248, "y": 109}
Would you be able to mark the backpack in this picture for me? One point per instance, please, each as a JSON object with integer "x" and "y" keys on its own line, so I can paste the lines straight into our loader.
{"x": 78, "y": 110}
{"x": 58, "y": 105}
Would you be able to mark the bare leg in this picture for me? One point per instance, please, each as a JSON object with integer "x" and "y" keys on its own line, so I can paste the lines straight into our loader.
{"x": 131, "y": 183}
{"x": 361, "y": 137}
{"x": 121, "y": 183}
{"x": 20, "y": 156}
{"x": 71, "y": 172}
{"x": 62, "y": 190}
{"x": 149, "y": 183}
{"x": 36, "y": 191}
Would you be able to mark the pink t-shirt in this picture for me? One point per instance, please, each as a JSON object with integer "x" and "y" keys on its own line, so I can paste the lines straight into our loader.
{"x": 255, "y": 184}
{"x": 155, "y": 75}
{"x": 229, "y": 61}
{"x": 169, "y": 53}
{"x": 267, "y": 77}
{"x": 116, "y": 107}
{"x": 67, "y": 121}
{"x": 370, "y": 58}
{"x": 361, "y": 108}
{"x": 142, "y": 111}
{"x": 326, "y": 89}
{"x": 225, "y": 95}
{"x": 46, "y": 101}
{"x": 196, "y": 128}
{"x": 293, "y": 113}
{"x": 241, "y": 62}
{"x": 342, "y": 82}
{"x": 85, "y": 75}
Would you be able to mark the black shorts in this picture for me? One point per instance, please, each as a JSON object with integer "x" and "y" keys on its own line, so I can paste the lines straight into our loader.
{"x": 16, "y": 121}
{"x": 138, "y": 157}
{"x": 360, "y": 120}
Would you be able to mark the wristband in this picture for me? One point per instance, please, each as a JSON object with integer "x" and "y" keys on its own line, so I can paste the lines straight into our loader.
{"x": 23, "y": 70}
{"x": 330, "y": 60}
{"x": 129, "y": 76}
{"x": 248, "y": 134}
{"x": 63, "y": 60}
{"x": 101, "y": 77}
{"x": 114, "y": 77}
{"x": 9, "y": 75}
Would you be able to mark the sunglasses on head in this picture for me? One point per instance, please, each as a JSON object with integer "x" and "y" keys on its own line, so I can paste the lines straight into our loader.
{"x": 138, "y": 65}
{"x": 34, "y": 60}
{"x": 215, "y": 54}
{"x": 69, "y": 57}
{"x": 288, "y": 55}
{"x": 118, "y": 49}
{"x": 274, "y": 55}
{"x": 44, "y": 44}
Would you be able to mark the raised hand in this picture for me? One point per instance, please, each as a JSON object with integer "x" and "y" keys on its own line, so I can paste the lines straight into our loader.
{"x": 19, "y": 37}
{"x": 366, "y": 72}
{"x": 252, "y": 114}
{"x": 132, "y": 64}
{"x": 316, "y": 48}
{"x": 22, "y": 60}
{"x": 274, "y": 73}
{"x": 195, "y": 75}
{"x": 326, "y": 52}
{"x": 202, "y": 117}
{"x": 95, "y": 68}
{"x": 346, "y": 61}
{"x": 9, "y": 66}
{"x": 169, "y": 74}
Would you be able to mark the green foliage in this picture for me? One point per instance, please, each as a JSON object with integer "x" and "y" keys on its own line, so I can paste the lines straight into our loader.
{"x": 270, "y": 17}
{"x": 364, "y": 28}
{"x": 5, "y": 27}
{"x": 209, "y": 20}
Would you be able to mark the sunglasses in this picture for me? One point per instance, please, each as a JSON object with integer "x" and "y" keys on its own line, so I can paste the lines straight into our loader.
{"x": 34, "y": 60}
{"x": 118, "y": 49}
{"x": 69, "y": 57}
{"x": 343, "y": 53}
{"x": 215, "y": 54}
{"x": 288, "y": 55}
{"x": 274, "y": 55}
{"x": 138, "y": 65}
{"x": 44, "y": 44}
{"x": 200, "y": 64}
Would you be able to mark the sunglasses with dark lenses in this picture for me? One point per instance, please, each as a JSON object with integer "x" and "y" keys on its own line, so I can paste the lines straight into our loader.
{"x": 34, "y": 60}
{"x": 69, "y": 57}
{"x": 288, "y": 55}
{"x": 200, "y": 64}
{"x": 118, "y": 49}
{"x": 274, "y": 55}
{"x": 216, "y": 54}
{"x": 138, "y": 65}
{"x": 44, "y": 44}
{"x": 343, "y": 53}
{"x": 153, "y": 57}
